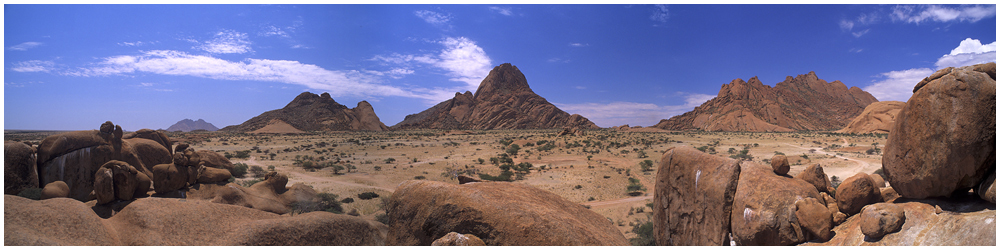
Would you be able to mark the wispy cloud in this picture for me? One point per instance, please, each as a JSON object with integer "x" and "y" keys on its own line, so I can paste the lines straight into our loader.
{"x": 579, "y": 44}
{"x": 24, "y": 46}
{"x": 177, "y": 63}
{"x": 558, "y": 60}
{"x": 898, "y": 85}
{"x": 502, "y": 10}
{"x": 860, "y": 33}
{"x": 434, "y": 18}
{"x": 227, "y": 42}
{"x": 632, "y": 113}
{"x": 660, "y": 13}
{"x": 921, "y": 13}
{"x": 463, "y": 60}
{"x": 137, "y": 43}
{"x": 856, "y": 50}
{"x": 272, "y": 30}
{"x": 33, "y": 66}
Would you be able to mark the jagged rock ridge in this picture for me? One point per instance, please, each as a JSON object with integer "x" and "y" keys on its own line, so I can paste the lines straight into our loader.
{"x": 311, "y": 112}
{"x": 503, "y": 101}
{"x": 187, "y": 125}
{"x": 804, "y": 102}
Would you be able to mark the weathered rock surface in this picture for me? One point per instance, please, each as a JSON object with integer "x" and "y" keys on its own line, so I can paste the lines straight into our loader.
{"x": 814, "y": 217}
{"x": 856, "y": 192}
{"x": 988, "y": 189}
{"x": 104, "y": 185}
{"x": 188, "y": 125}
{"x": 888, "y": 194}
{"x": 877, "y": 180}
{"x": 19, "y": 168}
{"x": 150, "y": 152}
{"x": 813, "y": 174}
{"x": 967, "y": 222}
{"x": 764, "y": 207}
{"x": 880, "y": 219}
{"x": 779, "y": 163}
{"x": 212, "y": 175}
{"x": 944, "y": 139}
{"x": 457, "y": 239}
{"x": 169, "y": 177}
{"x": 503, "y": 101}
{"x": 270, "y": 195}
{"x": 157, "y": 136}
{"x": 693, "y": 198}
{"x": 795, "y": 104}
{"x": 499, "y": 213}
{"x": 878, "y": 117}
{"x": 311, "y": 112}
{"x": 74, "y": 157}
{"x": 276, "y": 126}
{"x": 175, "y": 222}
{"x": 55, "y": 189}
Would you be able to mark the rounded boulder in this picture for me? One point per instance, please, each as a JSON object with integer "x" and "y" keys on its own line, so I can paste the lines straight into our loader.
{"x": 856, "y": 192}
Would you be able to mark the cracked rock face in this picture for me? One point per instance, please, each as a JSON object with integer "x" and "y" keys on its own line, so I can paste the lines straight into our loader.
{"x": 944, "y": 139}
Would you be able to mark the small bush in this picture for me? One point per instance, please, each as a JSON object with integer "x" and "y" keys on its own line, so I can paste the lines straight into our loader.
{"x": 31, "y": 193}
{"x": 257, "y": 171}
{"x": 578, "y": 187}
{"x": 248, "y": 183}
{"x": 644, "y": 233}
{"x": 419, "y": 177}
{"x": 383, "y": 218}
{"x": 504, "y": 176}
{"x": 367, "y": 195}
{"x": 347, "y": 200}
{"x": 240, "y": 170}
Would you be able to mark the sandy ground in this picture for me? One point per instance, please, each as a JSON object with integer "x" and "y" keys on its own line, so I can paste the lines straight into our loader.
{"x": 386, "y": 159}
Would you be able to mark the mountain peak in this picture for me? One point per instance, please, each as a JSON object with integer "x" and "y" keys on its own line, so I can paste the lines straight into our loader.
{"x": 312, "y": 112}
{"x": 505, "y": 79}
{"x": 187, "y": 125}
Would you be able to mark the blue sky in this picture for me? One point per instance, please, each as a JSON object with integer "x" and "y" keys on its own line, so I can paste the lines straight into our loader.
{"x": 72, "y": 67}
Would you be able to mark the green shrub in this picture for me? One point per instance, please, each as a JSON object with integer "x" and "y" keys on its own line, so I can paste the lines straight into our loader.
{"x": 646, "y": 165}
{"x": 634, "y": 187}
{"x": 347, "y": 200}
{"x": 644, "y": 234}
{"x": 383, "y": 218}
{"x": 504, "y": 176}
{"x": 257, "y": 171}
{"x": 31, "y": 193}
{"x": 240, "y": 170}
{"x": 367, "y": 195}
{"x": 419, "y": 177}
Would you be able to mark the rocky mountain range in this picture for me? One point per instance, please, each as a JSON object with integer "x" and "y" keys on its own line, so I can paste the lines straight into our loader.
{"x": 802, "y": 103}
{"x": 311, "y": 112}
{"x": 503, "y": 101}
{"x": 187, "y": 125}
{"x": 877, "y": 118}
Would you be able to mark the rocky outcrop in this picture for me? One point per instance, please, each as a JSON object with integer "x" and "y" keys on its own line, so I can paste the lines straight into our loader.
{"x": 174, "y": 222}
{"x": 796, "y": 104}
{"x": 503, "y": 101}
{"x": 988, "y": 189}
{"x": 880, "y": 219}
{"x": 814, "y": 217}
{"x": 457, "y": 239}
{"x": 856, "y": 192}
{"x": 118, "y": 180}
{"x": 813, "y": 174}
{"x": 311, "y": 112}
{"x": 693, "y": 198}
{"x": 187, "y": 125}
{"x": 19, "y": 168}
{"x": 944, "y": 139}
{"x": 276, "y": 126}
{"x": 74, "y": 157}
{"x": 157, "y": 136}
{"x": 878, "y": 117}
{"x": 499, "y": 213}
{"x": 55, "y": 189}
{"x": 967, "y": 221}
{"x": 269, "y": 195}
{"x": 764, "y": 210}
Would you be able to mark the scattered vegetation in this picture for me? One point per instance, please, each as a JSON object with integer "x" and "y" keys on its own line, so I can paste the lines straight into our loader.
{"x": 367, "y": 195}
{"x": 635, "y": 188}
{"x": 240, "y": 170}
{"x": 644, "y": 234}
{"x": 31, "y": 193}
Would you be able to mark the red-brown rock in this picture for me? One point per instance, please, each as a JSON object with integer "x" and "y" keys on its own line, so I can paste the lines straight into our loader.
{"x": 944, "y": 139}
{"x": 888, "y": 194}
{"x": 153, "y": 135}
{"x": 499, "y": 213}
{"x": 877, "y": 180}
{"x": 457, "y": 239}
{"x": 212, "y": 175}
{"x": 169, "y": 177}
{"x": 813, "y": 174}
{"x": 814, "y": 217}
{"x": 878, "y": 117}
{"x": 988, "y": 189}
{"x": 51, "y": 222}
{"x": 503, "y": 101}
{"x": 55, "y": 189}
{"x": 795, "y": 104}
{"x": 764, "y": 207}
{"x": 311, "y": 112}
{"x": 880, "y": 219}
{"x": 104, "y": 185}
{"x": 779, "y": 163}
{"x": 856, "y": 192}
{"x": 269, "y": 195}
{"x": 74, "y": 157}
{"x": 19, "y": 168}
{"x": 693, "y": 198}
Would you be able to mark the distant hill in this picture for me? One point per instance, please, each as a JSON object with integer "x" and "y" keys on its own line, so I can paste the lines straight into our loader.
{"x": 503, "y": 101}
{"x": 311, "y": 112}
{"x": 795, "y": 104}
{"x": 187, "y": 125}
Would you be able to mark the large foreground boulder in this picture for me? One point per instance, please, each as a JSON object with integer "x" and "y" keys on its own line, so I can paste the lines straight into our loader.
{"x": 944, "y": 139}
{"x": 880, "y": 219}
{"x": 175, "y": 222}
{"x": 967, "y": 222}
{"x": 55, "y": 189}
{"x": 499, "y": 213}
{"x": 856, "y": 192}
{"x": 693, "y": 199}
{"x": 813, "y": 174}
{"x": 814, "y": 218}
{"x": 19, "y": 169}
{"x": 74, "y": 157}
{"x": 153, "y": 135}
{"x": 764, "y": 207}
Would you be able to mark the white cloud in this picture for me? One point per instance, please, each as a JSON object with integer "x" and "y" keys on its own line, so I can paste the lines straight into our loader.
{"x": 336, "y": 82}
{"x": 227, "y": 42}
{"x": 860, "y": 33}
{"x": 433, "y": 17}
{"x": 632, "y": 113}
{"x": 24, "y": 46}
{"x": 33, "y": 66}
{"x": 463, "y": 60}
{"x": 579, "y": 44}
{"x": 921, "y": 13}
{"x": 846, "y": 25}
{"x": 273, "y": 31}
{"x": 969, "y": 52}
{"x": 856, "y": 50}
{"x": 138, "y": 43}
{"x": 502, "y": 10}
{"x": 660, "y": 13}
{"x": 897, "y": 85}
